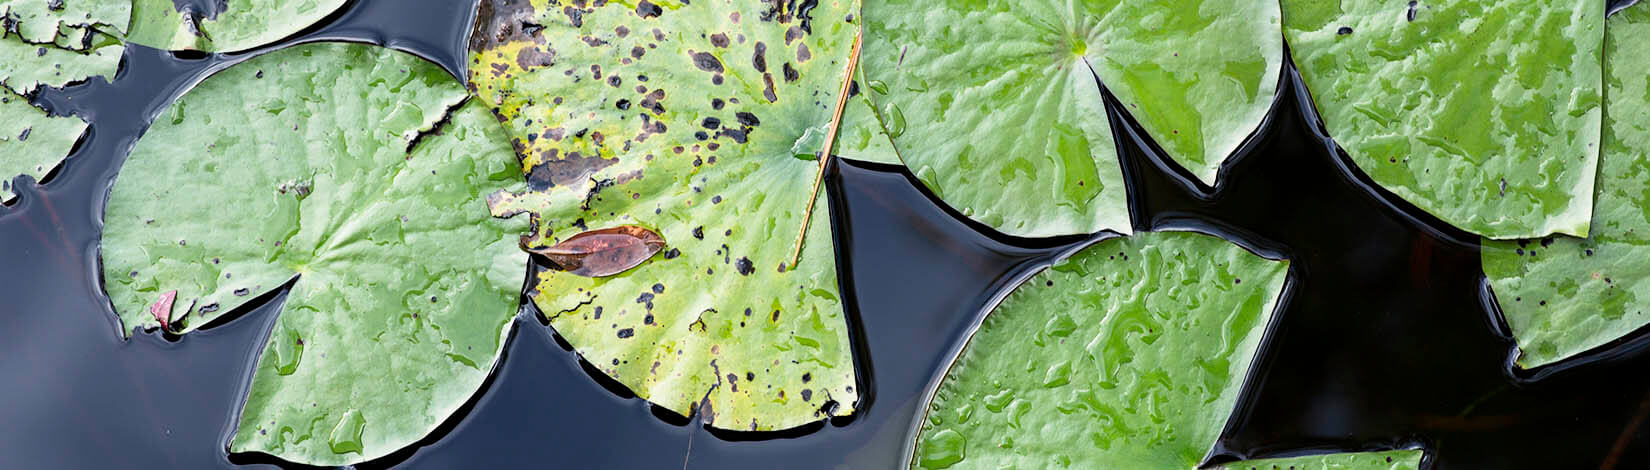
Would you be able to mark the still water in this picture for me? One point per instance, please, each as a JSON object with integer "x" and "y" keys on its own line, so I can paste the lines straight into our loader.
{"x": 1386, "y": 339}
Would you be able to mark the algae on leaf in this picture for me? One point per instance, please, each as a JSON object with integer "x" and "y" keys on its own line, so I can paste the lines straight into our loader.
{"x": 49, "y": 43}
{"x": 1388, "y": 460}
{"x": 995, "y": 106}
{"x": 223, "y": 25}
{"x": 1134, "y": 349}
{"x": 1484, "y": 113}
{"x": 700, "y": 122}
{"x": 1564, "y": 295}
{"x": 354, "y": 173}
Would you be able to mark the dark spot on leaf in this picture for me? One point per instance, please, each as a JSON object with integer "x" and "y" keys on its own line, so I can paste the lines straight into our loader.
{"x": 699, "y": 232}
{"x": 707, "y": 62}
{"x": 574, "y": 168}
{"x": 574, "y": 16}
{"x": 767, "y": 92}
{"x": 242, "y": 292}
{"x": 790, "y": 72}
{"x": 719, "y": 40}
{"x": 646, "y": 9}
{"x": 759, "y": 58}
{"x": 626, "y": 333}
{"x": 748, "y": 119}
{"x": 1345, "y": 30}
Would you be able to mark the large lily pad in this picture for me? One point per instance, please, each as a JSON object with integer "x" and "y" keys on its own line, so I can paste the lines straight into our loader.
{"x": 994, "y": 103}
{"x": 697, "y": 122}
{"x": 49, "y": 43}
{"x": 1388, "y": 460}
{"x": 1484, "y": 113}
{"x": 223, "y": 25}
{"x": 1130, "y": 354}
{"x": 306, "y": 166}
{"x": 1564, "y": 295}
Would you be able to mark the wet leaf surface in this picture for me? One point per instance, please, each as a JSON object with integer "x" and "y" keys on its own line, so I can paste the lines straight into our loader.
{"x": 223, "y": 25}
{"x": 295, "y": 167}
{"x": 1010, "y": 130}
{"x": 51, "y": 44}
{"x": 1482, "y": 113}
{"x": 600, "y": 253}
{"x": 1388, "y": 460}
{"x": 1564, "y": 295}
{"x": 1134, "y": 349}
{"x": 697, "y": 121}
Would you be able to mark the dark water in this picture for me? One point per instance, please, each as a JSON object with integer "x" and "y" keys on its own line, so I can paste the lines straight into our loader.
{"x": 1386, "y": 339}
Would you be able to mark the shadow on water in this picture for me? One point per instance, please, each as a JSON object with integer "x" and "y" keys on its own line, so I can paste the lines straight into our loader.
{"x": 1386, "y": 341}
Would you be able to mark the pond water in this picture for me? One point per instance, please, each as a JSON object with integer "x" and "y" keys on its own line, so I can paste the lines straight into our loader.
{"x": 1386, "y": 338}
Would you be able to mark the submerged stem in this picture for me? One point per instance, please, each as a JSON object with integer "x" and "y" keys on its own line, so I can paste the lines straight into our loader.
{"x": 830, "y": 141}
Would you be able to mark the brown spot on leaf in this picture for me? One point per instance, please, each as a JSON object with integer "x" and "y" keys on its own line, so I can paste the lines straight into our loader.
{"x": 561, "y": 172}
{"x": 759, "y": 57}
{"x": 768, "y": 92}
{"x": 646, "y": 9}
{"x": 707, "y": 62}
{"x": 502, "y": 21}
{"x": 599, "y": 253}
{"x": 529, "y": 58}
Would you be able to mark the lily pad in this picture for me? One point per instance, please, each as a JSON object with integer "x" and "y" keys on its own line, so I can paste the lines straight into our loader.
{"x": 1134, "y": 349}
{"x": 696, "y": 121}
{"x": 1482, "y": 113}
{"x": 31, "y": 141}
{"x": 49, "y": 43}
{"x": 1388, "y": 460}
{"x": 329, "y": 167}
{"x": 1011, "y": 130}
{"x": 1565, "y": 295}
{"x": 223, "y": 25}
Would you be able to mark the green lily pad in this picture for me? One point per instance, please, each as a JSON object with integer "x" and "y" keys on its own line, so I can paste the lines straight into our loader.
{"x": 235, "y": 25}
{"x": 696, "y": 122}
{"x": 49, "y": 43}
{"x": 307, "y": 165}
{"x": 1134, "y": 349}
{"x": 1388, "y": 460}
{"x": 1482, "y": 113}
{"x": 1564, "y": 295}
{"x": 995, "y": 107}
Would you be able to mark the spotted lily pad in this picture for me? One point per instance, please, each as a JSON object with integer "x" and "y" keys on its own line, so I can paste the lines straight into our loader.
{"x": 49, "y": 43}
{"x": 1482, "y": 113}
{"x": 697, "y": 121}
{"x": 1134, "y": 349}
{"x": 995, "y": 106}
{"x": 329, "y": 167}
{"x": 223, "y": 25}
{"x": 1564, "y": 295}
{"x": 1388, "y": 460}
